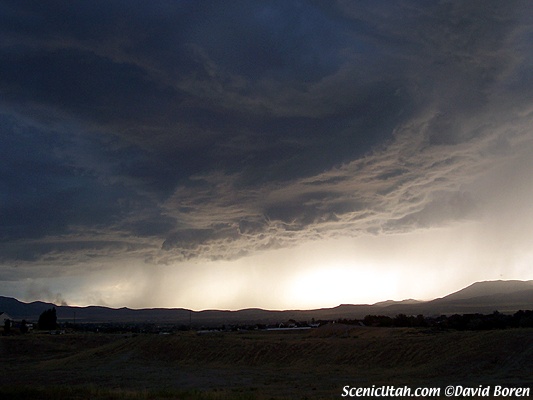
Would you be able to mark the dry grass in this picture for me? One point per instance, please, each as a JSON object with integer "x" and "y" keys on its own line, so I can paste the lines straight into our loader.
{"x": 258, "y": 365}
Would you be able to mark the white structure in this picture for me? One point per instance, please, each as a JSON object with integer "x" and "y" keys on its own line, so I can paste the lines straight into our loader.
{"x": 3, "y": 317}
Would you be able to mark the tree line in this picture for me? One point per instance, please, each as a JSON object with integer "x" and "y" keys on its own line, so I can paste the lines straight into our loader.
{"x": 461, "y": 322}
{"x": 496, "y": 320}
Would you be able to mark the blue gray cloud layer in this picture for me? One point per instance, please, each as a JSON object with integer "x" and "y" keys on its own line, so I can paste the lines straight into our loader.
{"x": 173, "y": 130}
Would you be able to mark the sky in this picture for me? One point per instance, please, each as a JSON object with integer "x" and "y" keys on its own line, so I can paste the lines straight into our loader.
{"x": 272, "y": 154}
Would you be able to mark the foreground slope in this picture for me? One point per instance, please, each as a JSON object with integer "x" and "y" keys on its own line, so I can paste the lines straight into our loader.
{"x": 314, "y": 364}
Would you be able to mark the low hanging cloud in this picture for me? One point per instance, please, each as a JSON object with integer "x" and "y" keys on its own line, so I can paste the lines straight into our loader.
{"x": 179, "y": 131}
{"x": 407, "y": 186}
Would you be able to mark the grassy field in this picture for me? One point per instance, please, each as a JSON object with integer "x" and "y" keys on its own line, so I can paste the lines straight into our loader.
{"x": 314, "y": 364}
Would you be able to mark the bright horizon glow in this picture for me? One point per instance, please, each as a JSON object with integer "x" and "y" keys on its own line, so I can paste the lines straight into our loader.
{"x": 334, "y": 285}
{"x": 364, "y": 270}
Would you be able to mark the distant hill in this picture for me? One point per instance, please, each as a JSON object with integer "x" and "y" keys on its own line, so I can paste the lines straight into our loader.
{"x": 394, "y": 302}
{"x": 20, "y": 310}
{"x": 480, "y": 297}
{"x": 490, "y": 288}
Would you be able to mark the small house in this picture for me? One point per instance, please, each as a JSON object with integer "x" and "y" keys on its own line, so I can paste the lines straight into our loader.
{"x": 3, "y": 317}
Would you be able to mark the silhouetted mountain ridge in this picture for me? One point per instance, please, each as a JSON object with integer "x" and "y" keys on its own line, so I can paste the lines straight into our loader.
{"x": 489, "y": 288}
{"x": 392, "y": 302}
{"x": 480, "y": 297}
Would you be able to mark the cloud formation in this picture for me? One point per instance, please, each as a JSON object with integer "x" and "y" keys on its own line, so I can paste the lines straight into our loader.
{"x": 174, "y": 131}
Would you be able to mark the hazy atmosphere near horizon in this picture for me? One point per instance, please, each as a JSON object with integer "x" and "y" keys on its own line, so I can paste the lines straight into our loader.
{"x": 273, "y": 154}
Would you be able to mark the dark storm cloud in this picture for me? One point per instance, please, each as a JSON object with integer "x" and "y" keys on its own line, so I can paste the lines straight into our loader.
{"x": 177, "y": 130}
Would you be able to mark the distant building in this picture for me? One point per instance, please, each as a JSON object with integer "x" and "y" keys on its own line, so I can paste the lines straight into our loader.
{"x": 3, "y": 317}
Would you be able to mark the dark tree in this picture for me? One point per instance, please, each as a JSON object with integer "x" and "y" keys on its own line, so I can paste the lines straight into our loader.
{"x": 378, "y": 320}
{"x": 7, "y": 326}
{"x": 402, "y": 320}
{"x": 24, "y": 326}
{"x": 48, "y": 319}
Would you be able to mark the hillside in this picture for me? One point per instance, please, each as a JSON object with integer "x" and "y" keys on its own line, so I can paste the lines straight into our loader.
{"x": 490, "y": 288}
{"x": 480, "y": 297}
{"x": 263, "y": 365}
